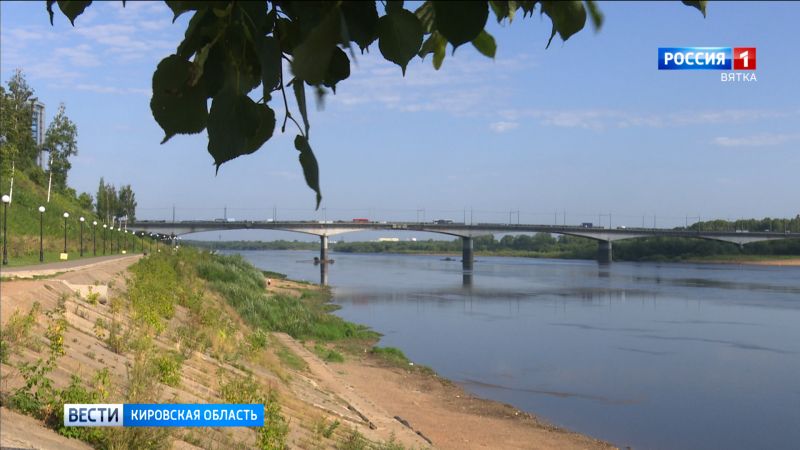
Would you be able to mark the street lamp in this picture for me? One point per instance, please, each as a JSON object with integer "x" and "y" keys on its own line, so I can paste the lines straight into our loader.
{"x": 81, "y": 219}
{"x": 6, "y": 201}
{"x": 105, "y": 228}
{"x": 126, "y": 241}
{"x": 119, "y": 233}
{"x": 66, "y": 215}
{"x": 94, "y": 238}
{"x": 41, "y": 233}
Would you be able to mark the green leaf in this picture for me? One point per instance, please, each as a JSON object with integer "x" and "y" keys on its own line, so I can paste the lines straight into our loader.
{"x": 527, "y": 7}
{"x": 256, "y": 16}
{"x": 233, "y": 61}
{"x": 309, "y": 164}
{"x": 393, "y": 6}
{"x": 501, "y": 10}
{"x": 72, "y": 9}
{"x": 485, "y": 44}
{"x": 568, "y": 17}
{"x": 265, "y": 129}
{"x": 338, "y": 69}
{"x": 237, "y": 125}
{"x": 436, "y": 44}
{"x": 361, "y": 20}
{"x": 460, "y": 21}
{"x": 269, "y": 57}
{"x": 313, "y": 55}
{"x": 50, "y": 9}
{"x": 300, "y": 96}
{"x": 202, "y": 29}
{"x": 595, "y": 14}
{"x": 399, "y": 37}
{"x": 179, "y": 7}
{"x": 177, "y": 105}
{"x": 700, "y": 5}
{"x": 426, "y": 16}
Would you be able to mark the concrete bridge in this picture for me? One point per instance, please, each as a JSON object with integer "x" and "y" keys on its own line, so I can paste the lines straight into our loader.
{"x": 324, "y": 229}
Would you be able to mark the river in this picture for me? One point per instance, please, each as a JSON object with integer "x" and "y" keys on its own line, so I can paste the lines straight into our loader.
{"x": 651, "y": 356}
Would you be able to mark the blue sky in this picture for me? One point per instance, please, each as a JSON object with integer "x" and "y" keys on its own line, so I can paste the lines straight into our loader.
{"x": 589, "y": 126}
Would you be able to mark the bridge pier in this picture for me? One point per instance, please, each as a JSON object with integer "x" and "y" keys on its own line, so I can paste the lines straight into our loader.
{"x": 467, "y": 254}
{"x": 323, "y": 249}
{"x": 604, "y": 254}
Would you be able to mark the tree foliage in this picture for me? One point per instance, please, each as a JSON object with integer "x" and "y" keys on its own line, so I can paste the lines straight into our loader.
{"x": 111, "y": 205}
{"x": 17, "y": 143}
{"x": 16, "y": 140}
{"x": 61, "y": 139}
{"x": 232, "y": 47}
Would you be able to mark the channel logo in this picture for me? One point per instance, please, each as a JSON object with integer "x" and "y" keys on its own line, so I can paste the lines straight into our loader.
{"x": 707, "y": 58}
{"x": 163, "y": 415}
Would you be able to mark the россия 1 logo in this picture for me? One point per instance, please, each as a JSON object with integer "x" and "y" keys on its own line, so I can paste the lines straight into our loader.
{"x": 738, "y": 63}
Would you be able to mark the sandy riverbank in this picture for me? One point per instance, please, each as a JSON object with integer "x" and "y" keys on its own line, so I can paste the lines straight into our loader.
{"x": 383, "y": 402}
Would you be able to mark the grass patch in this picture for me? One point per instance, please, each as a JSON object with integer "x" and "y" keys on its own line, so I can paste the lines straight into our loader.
{"x": 328, "y": 354}
{"x": 391, "y": 355}
{"x": 395, "y": 357}
{"x": 17, "y": 331}
{"x": 307, "y": 317}
{"x": 246, "y": 390}
{"x": 271, "y": 274}
{"x": 168, "y": 367}
{"x": 291, "y": 360}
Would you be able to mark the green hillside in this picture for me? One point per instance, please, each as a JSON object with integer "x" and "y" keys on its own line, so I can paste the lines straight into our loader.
{"x": 23, "y": 224}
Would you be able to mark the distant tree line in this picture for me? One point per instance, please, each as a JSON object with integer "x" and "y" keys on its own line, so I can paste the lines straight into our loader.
{"x": 112, "y": 204}
{"x": 254, "y": 245}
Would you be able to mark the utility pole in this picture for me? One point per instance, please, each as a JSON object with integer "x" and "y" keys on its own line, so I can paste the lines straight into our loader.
{"x": 173, "y": 213}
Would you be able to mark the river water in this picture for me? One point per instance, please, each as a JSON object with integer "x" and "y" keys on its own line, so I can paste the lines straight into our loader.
{"x": 652, "y": 356}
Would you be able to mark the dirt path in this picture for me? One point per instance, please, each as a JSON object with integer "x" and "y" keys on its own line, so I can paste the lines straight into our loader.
{"x": 65, "y": 266}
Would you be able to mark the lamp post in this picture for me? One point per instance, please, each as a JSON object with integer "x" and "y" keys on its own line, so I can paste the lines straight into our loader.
{"x": 94, "y": 238}
{"x": 158, "y": 238}
{"x": 41, "y": 233}
{"x": 119, "y": 233}
{"x": 66, "y": 215}
{"x": 126, "y": 241}
{"x": 81, "y": 219}
{"x": 105, "y": 228}
{"x": 151, "y": 243}
{"x": 6, "y": 201}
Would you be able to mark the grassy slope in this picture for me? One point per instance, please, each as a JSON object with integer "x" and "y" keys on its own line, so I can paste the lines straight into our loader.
{"x": 23, "y": 224}
{"x": 190, "y": 326}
